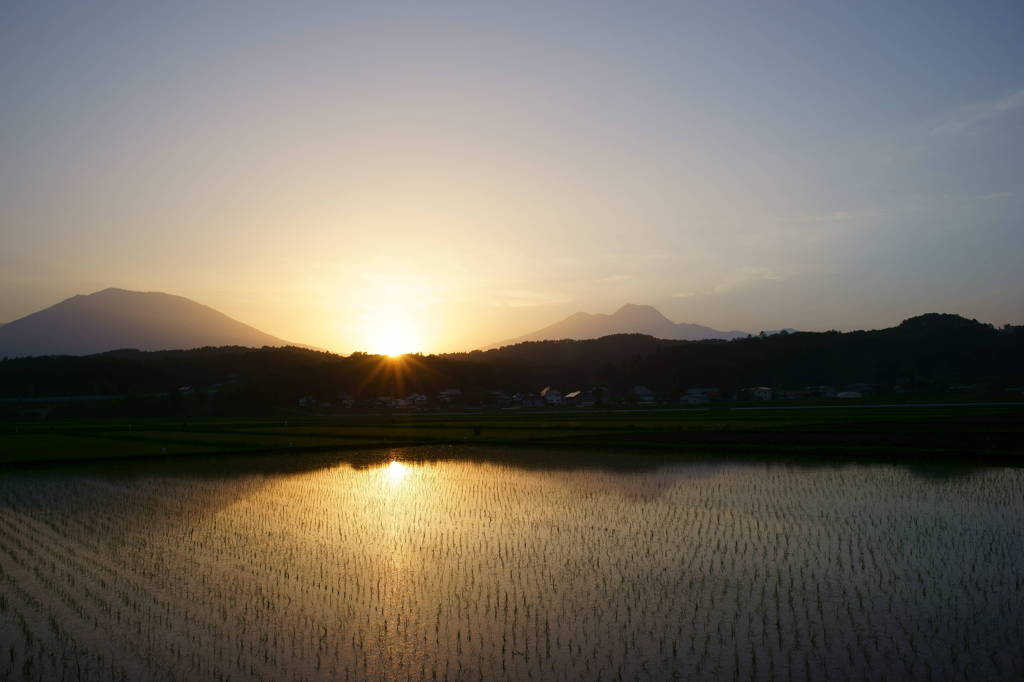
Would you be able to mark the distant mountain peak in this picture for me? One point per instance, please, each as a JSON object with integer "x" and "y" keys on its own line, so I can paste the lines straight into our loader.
{"x": 110, "y": 292}
{"x": 630, "y": 318}
{"x": 632, "y": 311}
{"x": 629, "y": 307}
{"x": 119, "y": 318}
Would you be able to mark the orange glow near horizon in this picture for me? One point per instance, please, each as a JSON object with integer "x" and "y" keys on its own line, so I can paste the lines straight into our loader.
{"x": 395, "y": 372}
{"x": 392, "y": 331}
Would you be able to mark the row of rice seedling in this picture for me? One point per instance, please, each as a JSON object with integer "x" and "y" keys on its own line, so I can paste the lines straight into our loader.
{"x": 463, "y": 569}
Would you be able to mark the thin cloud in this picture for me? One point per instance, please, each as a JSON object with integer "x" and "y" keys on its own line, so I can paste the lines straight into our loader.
{"x": 742, "y": 277}
{"x": 971, "y": 115}
{"x": 835, "y": 217}
{"x": 523, "y": 298}
{"x": 996, "y": 196}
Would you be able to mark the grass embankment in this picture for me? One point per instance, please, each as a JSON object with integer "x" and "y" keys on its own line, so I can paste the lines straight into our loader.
{"x": 985, "y": 433}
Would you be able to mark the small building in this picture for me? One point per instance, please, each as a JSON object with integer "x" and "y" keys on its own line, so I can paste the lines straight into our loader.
{"x": 34, "y": 413}
{"x": 794, "y": 394}
{"x": 822, "y": 391}
{"x": 760, "y": 393}
{"x": 643, "y": 395}
{"x": 498, "y": 399}
{"x": 527, "y": 400}
{"x": 552, "y": 396}
{"x": 450, "y": 395}
{"x": 586, "y": 398}
{"x": 700, "y": 395}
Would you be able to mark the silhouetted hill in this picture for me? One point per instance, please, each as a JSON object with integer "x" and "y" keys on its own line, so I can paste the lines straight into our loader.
{"x": 925, "y": 354}
{"x": 116, "y": 318}
{"x": 629, "y": 319}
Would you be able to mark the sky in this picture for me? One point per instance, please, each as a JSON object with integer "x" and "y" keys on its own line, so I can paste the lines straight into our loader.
{"x": 443, "y": 176}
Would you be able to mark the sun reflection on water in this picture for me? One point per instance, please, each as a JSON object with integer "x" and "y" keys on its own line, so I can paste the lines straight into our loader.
{"x": 395, "y": 472}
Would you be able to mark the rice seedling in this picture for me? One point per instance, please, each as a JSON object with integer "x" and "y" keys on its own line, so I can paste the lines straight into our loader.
{"x": 418, "y": 565}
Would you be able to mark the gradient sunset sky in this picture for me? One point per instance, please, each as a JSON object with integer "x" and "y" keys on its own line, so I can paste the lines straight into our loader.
{"x": 462, "y": 173}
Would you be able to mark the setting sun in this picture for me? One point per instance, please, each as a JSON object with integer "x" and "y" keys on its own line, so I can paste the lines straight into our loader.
{"x": 392, "y": 332}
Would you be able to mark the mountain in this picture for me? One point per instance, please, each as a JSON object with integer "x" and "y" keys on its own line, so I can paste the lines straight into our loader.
{"x": 116, "y": 318}
{"x": 629, "y": 319}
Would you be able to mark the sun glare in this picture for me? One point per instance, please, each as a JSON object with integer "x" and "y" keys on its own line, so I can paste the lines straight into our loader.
{"x": 393, "y": 333}
{"x": 395, "y": 472}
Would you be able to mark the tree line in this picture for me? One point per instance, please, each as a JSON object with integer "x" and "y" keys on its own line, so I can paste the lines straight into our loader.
{"x": 928, "y": 352}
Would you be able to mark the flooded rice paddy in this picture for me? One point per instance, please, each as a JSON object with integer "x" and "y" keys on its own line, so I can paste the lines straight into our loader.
{"x": 447, "y": 564}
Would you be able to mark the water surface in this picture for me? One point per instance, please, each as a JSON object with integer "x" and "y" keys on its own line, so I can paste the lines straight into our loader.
{"x": 443, "y": 563}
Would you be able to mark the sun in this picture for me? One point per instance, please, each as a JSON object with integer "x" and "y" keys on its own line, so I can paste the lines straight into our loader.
{"x": 393, "y": 333}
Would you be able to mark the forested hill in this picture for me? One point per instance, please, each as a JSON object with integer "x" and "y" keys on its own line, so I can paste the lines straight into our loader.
{"x": 934, "y": 348}
{"x": 928, "y": 352}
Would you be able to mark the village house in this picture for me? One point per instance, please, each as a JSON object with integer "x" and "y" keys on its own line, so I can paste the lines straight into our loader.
{"x": 450, "y": 395}
{"x": 794, "y": 394}
{"x": 552, "y": 396}
{"x": 643, "y": 396}
{"x": 698, "y": 396}
{"x": 527, "y": 400}
{"x": 758, "y": 393}
{"x": 587, "y": 398}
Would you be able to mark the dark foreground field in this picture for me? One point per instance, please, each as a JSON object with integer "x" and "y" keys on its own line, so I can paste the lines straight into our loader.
{"x": 981, "y": 433}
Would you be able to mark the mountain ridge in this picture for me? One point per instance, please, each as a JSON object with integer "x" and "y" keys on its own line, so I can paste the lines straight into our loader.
{"x": 113, "y": 318}
{"x": 630, "y": 318}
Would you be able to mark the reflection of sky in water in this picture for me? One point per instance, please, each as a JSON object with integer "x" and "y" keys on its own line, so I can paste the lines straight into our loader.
{"x": 404, "y": 564}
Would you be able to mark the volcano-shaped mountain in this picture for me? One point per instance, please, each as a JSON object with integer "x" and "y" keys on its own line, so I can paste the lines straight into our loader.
{"x": 629, "y": 319}
{"x": 116, "y": 318}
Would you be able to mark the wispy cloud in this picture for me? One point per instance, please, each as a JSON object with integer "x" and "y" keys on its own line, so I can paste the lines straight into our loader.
{"x": 904, "y": 206}
{"x": 741, "y": 277}
{"x": 834, "y": 217}
{"x": 524, "y": 298}
{"x": 994, "y": 196}
{"x": 974, "y": 114}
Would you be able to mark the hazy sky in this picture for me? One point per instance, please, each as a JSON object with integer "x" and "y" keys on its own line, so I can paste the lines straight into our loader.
{"x": 461, "y": 173}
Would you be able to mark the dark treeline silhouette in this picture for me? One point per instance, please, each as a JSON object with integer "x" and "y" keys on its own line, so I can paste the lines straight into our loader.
{"x": 926, "y": 353}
